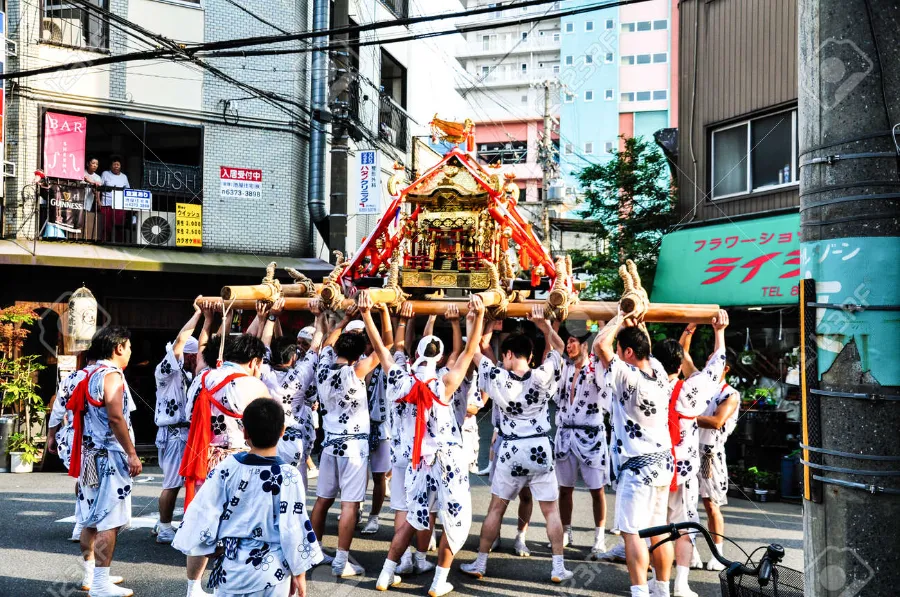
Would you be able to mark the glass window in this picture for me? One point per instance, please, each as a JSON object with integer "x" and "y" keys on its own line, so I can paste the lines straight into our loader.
{"x": 643, "y": 96}
{"x": 524, "y": 68}
{"x": 643, "y": 58}
{"x": 609, "y": 94}
{"x": 485, "y": 71}
{"x": 609, "y": 147}
{"x": 657, "y": 58}
{"x": 589, "y": 148}
{"x": 569, "y": 149}
{"x": 662, "y": 24}
{"x": 589, "y": 25}
{"x": 556, "y": 37}
{"x": 660, "y": 95}
{"x": 569, "y": 61}
{"x": 729, "y": 163}
{"x": 524, "y": 35}
{"x": 588, "y": 96}
{"x": 570, "y": 97}
{"x": 626, "y": 60}
{"x": 588, "y": 59}
{"x": 610, "y": 23}
{"x": 643, "y": 26}
{"x": 68, "y": 25}
{"x": 771, "y": 147}
{"x": 524, "y": 99}
{"x": 626, "y": 97}
{"x": 555, "y": 69}
{"x": 627, "y": 27}
{"x": 609, "y": 57}
{"x": 570, "y": 27}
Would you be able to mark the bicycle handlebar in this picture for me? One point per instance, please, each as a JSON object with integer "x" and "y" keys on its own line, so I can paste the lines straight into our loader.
{"x": 672, "y": 530}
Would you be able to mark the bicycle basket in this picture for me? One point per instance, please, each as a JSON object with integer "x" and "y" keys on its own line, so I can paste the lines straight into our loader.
{"x": 785, "y": 583}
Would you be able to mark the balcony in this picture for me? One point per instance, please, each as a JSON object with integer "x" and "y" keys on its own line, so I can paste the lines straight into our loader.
{"x": 103, "y": 215}
{"x": 393, "y": 124}
{"x": 512, "y": 47}
{"x": 516, "y": 77}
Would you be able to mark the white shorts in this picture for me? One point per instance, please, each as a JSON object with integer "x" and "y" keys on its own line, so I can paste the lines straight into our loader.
{"x": 398, "y": 488}
{"x": 282, "y": 589}
{"x": 568, "y": 467}
{"x": 345, "y": 474}
{"x": 544, "y": 487}
{"x": 713, "y": 476}
{"x": 639, "y": 506}
{"x": 170, "y": 457}
{"x": 380, "y": 458}
{"x": 683, "y": 503}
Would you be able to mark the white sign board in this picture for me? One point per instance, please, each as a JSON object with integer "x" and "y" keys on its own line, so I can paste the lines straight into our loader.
{"x": 367, "y": 182}
{"x": 137, "y": 200}
{"x": 240, "y": 183}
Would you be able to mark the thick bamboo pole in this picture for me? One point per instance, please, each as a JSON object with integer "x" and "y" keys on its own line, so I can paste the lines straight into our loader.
{"x": 657, "y": 312}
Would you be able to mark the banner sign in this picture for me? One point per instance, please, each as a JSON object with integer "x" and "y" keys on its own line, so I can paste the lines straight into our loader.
{"x": 173, "y": 178}
{"x": 367, "y": 183}
{"x": 241, "y": 183}
{"x": 64, "y": 137}
{"x": 188, "y": 225}
{"x": 743, "y": 263}
{"x": 137, "y": 200}
{"x": 66, "y": 208}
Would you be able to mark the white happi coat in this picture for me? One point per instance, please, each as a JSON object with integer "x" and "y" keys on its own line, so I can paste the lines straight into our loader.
{"x": 441, "y": 480}
{"x": 524, "y": 422}
{"x": 696, "y": 393}
{"x": 343, "y": 397}
{"x": 256, "y": 507}
{"x": 106, "y": 505}
{"x": 59, "y": 415}
{"x": 172, "y": 383}
{"x": 582, "y": 404}
{"x": 402, "y": 421}
{"x": 379, "y": 415}
{"x": 284, "y": 385}
{"x": 640, "y": 406}
{"x": 713, "y": 468}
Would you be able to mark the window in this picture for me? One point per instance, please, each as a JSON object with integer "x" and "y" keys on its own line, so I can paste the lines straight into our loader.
{"x": 609, "y": 147}
{"x": 757, "y": 154}
{"x": 570, "y": 27}
{"x": 643, "y": 25}
{"x": 588, "y": 148}
{"x": 626, "y": 60}
{"x": 524, "y": 68}
{"x": 589, "y": 25}
{"x": 400, "y": 8}
{"x": 556, "y": 37}
{"x": 643, "y": 96}
{"x": 608, "y": 95}
{"x": 627, "y": 27}
{"x": 589, "y": 96}
{"x": 555, "y": 69}
{"x": 569, "y": 60}
{"x": 393, "y": 122}
{"x": 569, "y": 149}
{"x": 643, "y": 58}
{"x": 663, "y": 24}
{"x": 485, "y": 71}
{"x": 524, "y": 35}
{"x": 66, "y": 25}
{"x": 626, "y": 97}
{"x": 660, "y": 95}
{"x": 524, "y": 99}
{"x": 609, "y": 58}
{"x": 588, "y": 59}
{"x": 570, "y": 98}
{"x": 657, "y": 58}
{"x": 610, "y": 23}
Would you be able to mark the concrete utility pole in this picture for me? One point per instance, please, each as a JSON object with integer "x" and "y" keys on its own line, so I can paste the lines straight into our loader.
{"x": 547, "y": 165}
{"x": 849, "y": 128}
{"x": 340, "y": 141}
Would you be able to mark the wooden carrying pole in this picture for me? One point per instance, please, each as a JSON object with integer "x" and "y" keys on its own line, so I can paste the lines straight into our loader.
{"x": 603, "y": 311}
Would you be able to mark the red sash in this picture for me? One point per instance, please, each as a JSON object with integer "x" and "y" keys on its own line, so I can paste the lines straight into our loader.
{"x": 195, "y": 463}
{"x": 675, "y": 418}
{"x": 77, "y": 403}
{"x": 423, "y": 398}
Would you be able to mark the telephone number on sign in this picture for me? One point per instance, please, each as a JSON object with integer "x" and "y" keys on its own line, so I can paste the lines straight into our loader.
{"x": 242, "y": 193}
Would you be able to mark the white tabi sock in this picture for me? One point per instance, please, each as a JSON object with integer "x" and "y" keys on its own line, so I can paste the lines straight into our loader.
{"x": 340, "y": 559}
{"x": 163, "y": 525}
{"x": 419, "y": 555}
{"x": 681, "y": 576}
{"x": 599, "y": 535}
{"x": 101, "y": 580}
{"x": 520, "y": 535}
{"x": 389, "y": 567}
{"x": 559, "y": 563}
{"x": 481, "y": 560}
{"x": 719, "y": 548}
{"x": 89, "y": 568}
{"x": 661, "y": 588}
{"x": 640, "y": 591}
{"x": 440, "y": 576}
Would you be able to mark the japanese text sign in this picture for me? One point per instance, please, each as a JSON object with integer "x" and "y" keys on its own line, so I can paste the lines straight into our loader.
{"x": 188, "y": 225}
{"x": 367, "y": 182}
{"x": 64, "y": 137}
{"x": 241, "y": 183}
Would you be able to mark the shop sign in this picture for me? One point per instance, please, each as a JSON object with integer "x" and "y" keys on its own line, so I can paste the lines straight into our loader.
{"x": 173, "y": 178}
{"x": 137, "y": 200}
{"x": 240, "y": 183}
{"x": 64, "y": 137}
{"x": 367, "y": 181}
{"x": 188, "y": 225}
{"x": 746, "y": 262}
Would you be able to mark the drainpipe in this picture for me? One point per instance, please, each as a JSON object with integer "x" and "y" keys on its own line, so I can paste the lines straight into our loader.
{"x": 318, "y": 211}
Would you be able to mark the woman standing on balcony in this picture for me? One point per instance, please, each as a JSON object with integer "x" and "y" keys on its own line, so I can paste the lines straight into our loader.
{"x": 114, "y": 177}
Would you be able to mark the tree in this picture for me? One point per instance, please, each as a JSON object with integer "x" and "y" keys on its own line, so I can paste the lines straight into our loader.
{"x": 632, "y": 197}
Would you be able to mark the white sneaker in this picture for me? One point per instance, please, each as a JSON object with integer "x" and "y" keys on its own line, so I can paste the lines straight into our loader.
{"x": 440, "y": 590}
{"x": 386, "y": 581}
{"x": 714, "y": 565}
{"x": 520, "y": 549}
{"x": 495, "y": 545}
{"x": 350, "y": 569}
{"x": 76, "y": 534}
{"x": 371, "y": 527}
{"x": 696, "y": 562}
{"x": 165, "y": 535}
{"x": 112, "y": 591}
{"x": 560, "y": 576}
{"x": 422, "y": 566}
{"x": 474, "y": 570}
{"x": 406, "y": 565}
{"x": 88, "y": 580}
{"x": 616, "y": 554}
{"x": 684, "y": 591}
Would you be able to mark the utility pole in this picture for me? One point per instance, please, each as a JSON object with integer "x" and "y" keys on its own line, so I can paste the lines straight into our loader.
{"x": 850, "y": 239}
{"x": 547, "y": 165}
{"x": 340, "y": 140}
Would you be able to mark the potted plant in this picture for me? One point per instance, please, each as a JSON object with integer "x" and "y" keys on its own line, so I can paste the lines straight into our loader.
{"x": 764, "y": 484}
{"x": 22, "y": 454}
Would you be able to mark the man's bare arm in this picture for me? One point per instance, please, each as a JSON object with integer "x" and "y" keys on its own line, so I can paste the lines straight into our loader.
{"x": 380, "y": 353}
{"x": 603, "y": 343}
{"x": 722, "y": 414}
{"x": 186, "y": 332}
{"x": 474, "y": 325}
{"x": 114, "y": 400}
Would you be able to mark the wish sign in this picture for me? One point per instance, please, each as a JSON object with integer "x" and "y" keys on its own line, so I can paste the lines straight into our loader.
{"x": 64, "y": 137}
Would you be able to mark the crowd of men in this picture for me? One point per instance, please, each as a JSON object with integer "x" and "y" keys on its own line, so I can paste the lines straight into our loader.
{"x": 241, "y": 416}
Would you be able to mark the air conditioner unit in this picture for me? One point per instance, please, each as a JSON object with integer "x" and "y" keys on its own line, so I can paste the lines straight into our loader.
{"x": 156, "y": 228}
{"x": 62, "y": 31}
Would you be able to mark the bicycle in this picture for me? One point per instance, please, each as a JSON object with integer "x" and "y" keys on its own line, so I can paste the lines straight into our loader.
{"x": 766, "y": 579}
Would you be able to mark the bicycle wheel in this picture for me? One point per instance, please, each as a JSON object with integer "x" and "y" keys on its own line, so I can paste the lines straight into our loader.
{"x": 785, "y": 582}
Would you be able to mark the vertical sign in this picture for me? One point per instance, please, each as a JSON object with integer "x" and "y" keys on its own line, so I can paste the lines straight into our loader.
{"x": 188, "y": 225}
{"x": 241, "y": 183}
{"x": 64, "y": 137}
{"x": 367, "y": 182}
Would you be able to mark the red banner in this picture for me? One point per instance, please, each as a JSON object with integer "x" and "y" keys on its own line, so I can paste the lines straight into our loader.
{"x": 64, "y": 145}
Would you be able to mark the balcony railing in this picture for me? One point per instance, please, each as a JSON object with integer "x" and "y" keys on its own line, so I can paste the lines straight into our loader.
{"x": 519, "y": 76}
{"x": 400, "y": 8}
{"x": 534, "y": 43}
{"x": 103, "y": 215}
{"x": 393, "y": 124}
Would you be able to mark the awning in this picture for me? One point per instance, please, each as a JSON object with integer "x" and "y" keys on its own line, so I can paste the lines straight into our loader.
{"x": 148, "y": 259}
{"x": 743, "y": 263}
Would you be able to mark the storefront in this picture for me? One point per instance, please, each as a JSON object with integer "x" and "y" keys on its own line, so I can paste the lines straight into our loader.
{"x": 752, "y": 268}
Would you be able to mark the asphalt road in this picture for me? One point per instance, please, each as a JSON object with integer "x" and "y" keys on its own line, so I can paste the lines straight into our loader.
{"x": 37, "y": 560}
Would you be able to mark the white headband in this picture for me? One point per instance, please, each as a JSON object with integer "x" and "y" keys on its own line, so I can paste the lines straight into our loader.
{"x": 429, "y": 362}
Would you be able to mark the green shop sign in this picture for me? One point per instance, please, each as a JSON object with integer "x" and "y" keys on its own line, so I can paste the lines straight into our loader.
{"x": 743, "y": 263}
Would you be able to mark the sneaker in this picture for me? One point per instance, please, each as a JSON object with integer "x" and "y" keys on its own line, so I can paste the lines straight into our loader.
{"x": 495, "y": 545}
{"x": 696, "y": 562}
{"x": 76, "y": 534}
{"x": 165, "y": 535}
{"x": 406, "y": 565}
{"x": 520, "y": 549}
{"x": 440, "y": 590}
{"x": 560, "y": 576}
{"x": 474, "y": 570}
{"x": 89, "y": 579}
{"x": 371, "y": 527}
{"x": 386, "y": 581}
{"x": 684, "y": 591}
{"x": 349, "y": 569}
{"x": 714, "y": 565}
{"x": 616, "y": 554}
{"x": 112, "y": 591}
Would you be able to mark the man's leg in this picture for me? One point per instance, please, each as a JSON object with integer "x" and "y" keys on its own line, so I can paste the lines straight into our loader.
{"x": 317, "y": 518}
{"x": 195, "y": 567}
{"x": 717, "y": 529}
{"x": 347, "y": 524}
{"x": 598, "y": 504}
{"x": 550, "y": 510}
{"x": 637, "y": 558}
{"x": 565, "y": 505}
{"x": 489, "y": 529}
{"x": 167, "y": 500}
{"x": 379, "y": 483}
{"x": 526, "y": 508}
{"x": 403, "y": 534}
